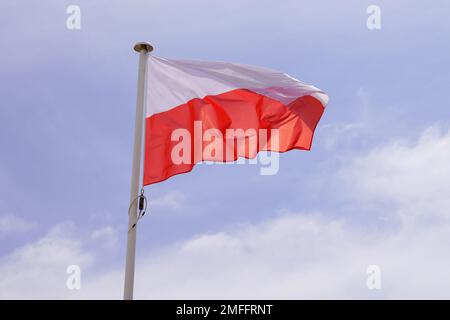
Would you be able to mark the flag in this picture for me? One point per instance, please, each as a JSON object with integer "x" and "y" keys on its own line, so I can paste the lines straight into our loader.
{"x": 218, "y": 111}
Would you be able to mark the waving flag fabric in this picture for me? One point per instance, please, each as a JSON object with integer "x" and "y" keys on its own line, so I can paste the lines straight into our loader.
{"x": 202, "y": 97}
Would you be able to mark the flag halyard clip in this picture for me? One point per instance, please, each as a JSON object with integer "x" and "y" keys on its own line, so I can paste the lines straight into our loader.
{"x": 141, "y": 206}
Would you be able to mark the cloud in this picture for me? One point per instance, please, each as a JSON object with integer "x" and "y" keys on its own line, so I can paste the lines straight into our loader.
{"x": 293, "y": 255}
{"x": 38, "y": 270}
{"x": 106, "y": 235}
{"x": 173, "y": 200}
{"x": 11, "y": 225}
{"x": 300, "y": 255}
{"x": 414, "y": 176}
{"x": 366, "y": 121}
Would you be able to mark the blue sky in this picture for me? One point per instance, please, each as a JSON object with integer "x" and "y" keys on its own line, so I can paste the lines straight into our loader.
{"x": 373, "y": 190}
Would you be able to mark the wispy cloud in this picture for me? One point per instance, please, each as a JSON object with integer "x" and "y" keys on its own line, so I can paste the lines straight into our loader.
{"x": 412, "y": 175}
{"x": 106, "y": 235}
{"x": 38, "y": 269}
{"x": 14, "y": 225}
{"x": 173, "y": 200}
{"x": 291, "y": 255}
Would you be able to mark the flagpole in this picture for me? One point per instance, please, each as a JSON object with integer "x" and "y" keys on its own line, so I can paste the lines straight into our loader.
{"x": 143, "y": 48}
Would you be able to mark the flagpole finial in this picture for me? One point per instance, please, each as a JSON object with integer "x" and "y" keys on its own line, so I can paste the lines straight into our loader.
{"x": 138, "y": 47}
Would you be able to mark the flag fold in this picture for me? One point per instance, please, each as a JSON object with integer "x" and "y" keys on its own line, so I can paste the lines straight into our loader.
{"x": 217, "y": 111}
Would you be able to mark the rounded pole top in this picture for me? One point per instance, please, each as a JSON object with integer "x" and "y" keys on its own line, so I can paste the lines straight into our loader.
{"x": 138, "y": 47}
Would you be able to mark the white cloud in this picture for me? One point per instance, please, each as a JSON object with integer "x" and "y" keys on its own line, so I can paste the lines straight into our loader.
{"x": 38, "y": 270}
{"x": 413, "y": 176}
{"x": 173, "y": 200}
{"x": 293, "y": 255}
{"x": 11, "y": 225}
{"x": 106, "y": 235}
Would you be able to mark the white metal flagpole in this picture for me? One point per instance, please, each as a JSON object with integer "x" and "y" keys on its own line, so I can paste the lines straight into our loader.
{"x": 143, "y": 48}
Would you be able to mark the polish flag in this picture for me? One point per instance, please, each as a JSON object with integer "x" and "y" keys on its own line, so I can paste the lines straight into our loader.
{"x": 192, "y": 105}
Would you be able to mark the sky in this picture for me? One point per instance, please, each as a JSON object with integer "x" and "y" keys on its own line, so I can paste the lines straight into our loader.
{"x": 373, "y": 191}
